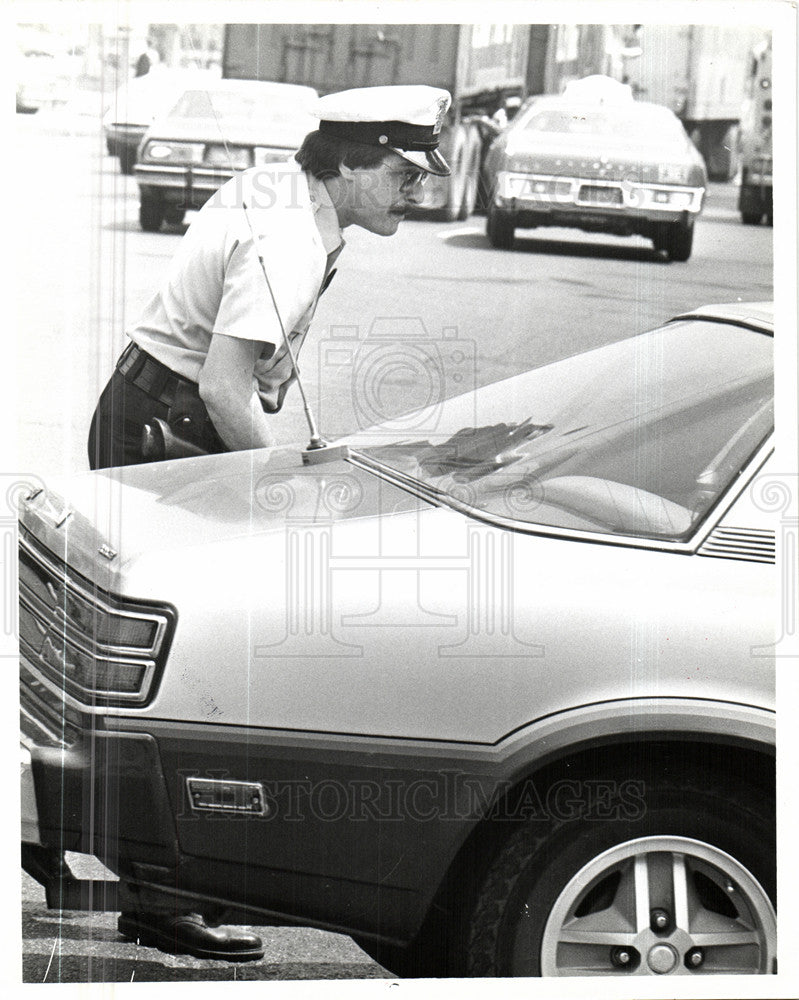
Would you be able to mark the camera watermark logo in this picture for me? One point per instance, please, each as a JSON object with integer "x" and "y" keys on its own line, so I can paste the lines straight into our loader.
{"x": 395, "y": 376}
{"x": 351, "y": 571}
{"x": 778, "y": 495}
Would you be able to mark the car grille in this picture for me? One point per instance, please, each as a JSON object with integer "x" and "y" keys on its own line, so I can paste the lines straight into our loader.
{"x": 749, "y": 544}
{"x": 82, "y": 642}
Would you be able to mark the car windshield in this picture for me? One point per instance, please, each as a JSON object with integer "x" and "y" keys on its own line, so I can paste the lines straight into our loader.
{"x": 623, "y": 122}
{"x": 637, "y": 438}
{"x": 269, "y": 105}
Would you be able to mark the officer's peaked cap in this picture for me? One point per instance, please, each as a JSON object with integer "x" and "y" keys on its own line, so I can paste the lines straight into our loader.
{"x": 405, "y": 119}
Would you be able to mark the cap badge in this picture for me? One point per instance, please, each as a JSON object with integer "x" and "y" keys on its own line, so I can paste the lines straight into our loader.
{"x": 382, "y": 139}
{"x": 441, "y": 111}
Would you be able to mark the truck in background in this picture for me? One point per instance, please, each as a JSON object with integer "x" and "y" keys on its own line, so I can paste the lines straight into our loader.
{"x": 755, "y": 197}
{"x": 481, "y": 65}
{"x": 698, "y": 72}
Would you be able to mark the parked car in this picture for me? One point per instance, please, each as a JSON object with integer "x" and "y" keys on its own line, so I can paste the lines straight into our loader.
{"x": 595, "y": 159}
{"x": 45, "y": 72}
{"x": 211, "y": 132}
{"x": 490, "y": 690}
{"x": 137, "y": 102}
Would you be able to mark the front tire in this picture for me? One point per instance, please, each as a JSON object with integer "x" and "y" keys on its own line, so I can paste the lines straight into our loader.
{"x": 174, "y": 215}
{"x": 676, "y": 238}
{"x": 500, "y": 228}
{"x": 583, "y": 896}
{"x": 127, "y": 160}
{"x": 151, "y": 213}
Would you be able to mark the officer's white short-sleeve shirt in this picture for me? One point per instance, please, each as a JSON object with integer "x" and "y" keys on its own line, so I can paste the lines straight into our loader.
{"x": 215, "y": 283}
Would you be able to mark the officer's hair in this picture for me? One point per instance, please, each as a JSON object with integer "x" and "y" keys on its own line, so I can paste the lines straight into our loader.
{"x": 322, "y": 155}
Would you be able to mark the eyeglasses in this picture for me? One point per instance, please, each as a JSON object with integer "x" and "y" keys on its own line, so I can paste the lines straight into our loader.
{"x": 409, "y": 178}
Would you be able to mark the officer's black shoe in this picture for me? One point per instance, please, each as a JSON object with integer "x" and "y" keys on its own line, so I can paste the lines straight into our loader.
{"x": 188, "y": 934}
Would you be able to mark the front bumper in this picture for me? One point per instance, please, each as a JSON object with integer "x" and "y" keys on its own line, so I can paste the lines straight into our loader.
{"x": 546, "y": 199}
{"x": 184, "y": 185}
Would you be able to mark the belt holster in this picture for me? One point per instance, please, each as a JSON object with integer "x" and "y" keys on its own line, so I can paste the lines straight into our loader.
{"x": 185, "y": 432}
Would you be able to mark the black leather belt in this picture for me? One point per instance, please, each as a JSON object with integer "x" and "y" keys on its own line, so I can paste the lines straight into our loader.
{"x": 149, "y": 375}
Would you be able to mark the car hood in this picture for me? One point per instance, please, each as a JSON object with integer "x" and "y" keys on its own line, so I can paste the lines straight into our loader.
{"x": 115, "y": 525}
{"x": 236, "y": 131}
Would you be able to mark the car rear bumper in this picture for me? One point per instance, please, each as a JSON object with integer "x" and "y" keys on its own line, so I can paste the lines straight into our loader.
{"x": 29, "y": 813}
{"x": 132, "y": 799}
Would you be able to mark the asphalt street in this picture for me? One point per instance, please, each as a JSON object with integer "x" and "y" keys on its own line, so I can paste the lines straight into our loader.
{"x": 76, "y": 947}
{"x": 466, "y": 313}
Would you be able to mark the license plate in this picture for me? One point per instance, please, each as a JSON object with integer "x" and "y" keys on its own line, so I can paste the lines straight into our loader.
{"x": 595, "y": 195}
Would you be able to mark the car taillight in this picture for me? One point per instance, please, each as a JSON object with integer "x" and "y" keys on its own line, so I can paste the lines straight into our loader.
{"x": 92, "y": 674}
{"x": 91, "y": 644}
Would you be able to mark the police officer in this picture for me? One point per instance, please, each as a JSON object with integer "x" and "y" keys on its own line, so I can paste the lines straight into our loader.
{"x": 208, "y": 356}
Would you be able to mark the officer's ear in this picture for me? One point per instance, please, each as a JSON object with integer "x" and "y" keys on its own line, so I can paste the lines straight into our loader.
{"x": 346, "y": 173}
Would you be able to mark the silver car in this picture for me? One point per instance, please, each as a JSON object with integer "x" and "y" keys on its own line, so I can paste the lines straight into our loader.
{"x": 211, "y": 131}
{"x": 490, "y": 690}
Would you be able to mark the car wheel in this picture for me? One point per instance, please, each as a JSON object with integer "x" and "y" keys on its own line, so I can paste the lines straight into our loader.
{"x": 687, "y": 888}
{"x": 499, "y": 228}
{"x": 456, "y": 183}
{"x": 174, "y": 215}
{"x": 473, "y": 146}
{"x": 127, "y": 158}
{"x": 151, "y": 213}
{"x": 676, "y": 238}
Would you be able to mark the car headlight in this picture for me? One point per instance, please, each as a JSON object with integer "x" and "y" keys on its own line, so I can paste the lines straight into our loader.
{"x": 174, "y": 152}
{"x": 673, "y": 173}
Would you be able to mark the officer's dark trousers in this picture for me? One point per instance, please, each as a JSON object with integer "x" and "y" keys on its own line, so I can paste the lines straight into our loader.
{"x": 115, "y": 435}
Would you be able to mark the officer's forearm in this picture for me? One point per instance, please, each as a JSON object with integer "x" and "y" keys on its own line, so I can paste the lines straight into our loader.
{"x": 240, "y": 422}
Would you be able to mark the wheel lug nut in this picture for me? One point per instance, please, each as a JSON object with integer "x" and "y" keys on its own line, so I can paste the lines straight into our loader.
{"x": 694, "y": 958}
{"x": 621, "y": 957}
{"x": 659, "y": 919}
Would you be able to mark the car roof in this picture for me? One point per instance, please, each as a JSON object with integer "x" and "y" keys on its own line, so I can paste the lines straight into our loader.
{"x": 759, "y": 314}
{"x": 584, "y": 104}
